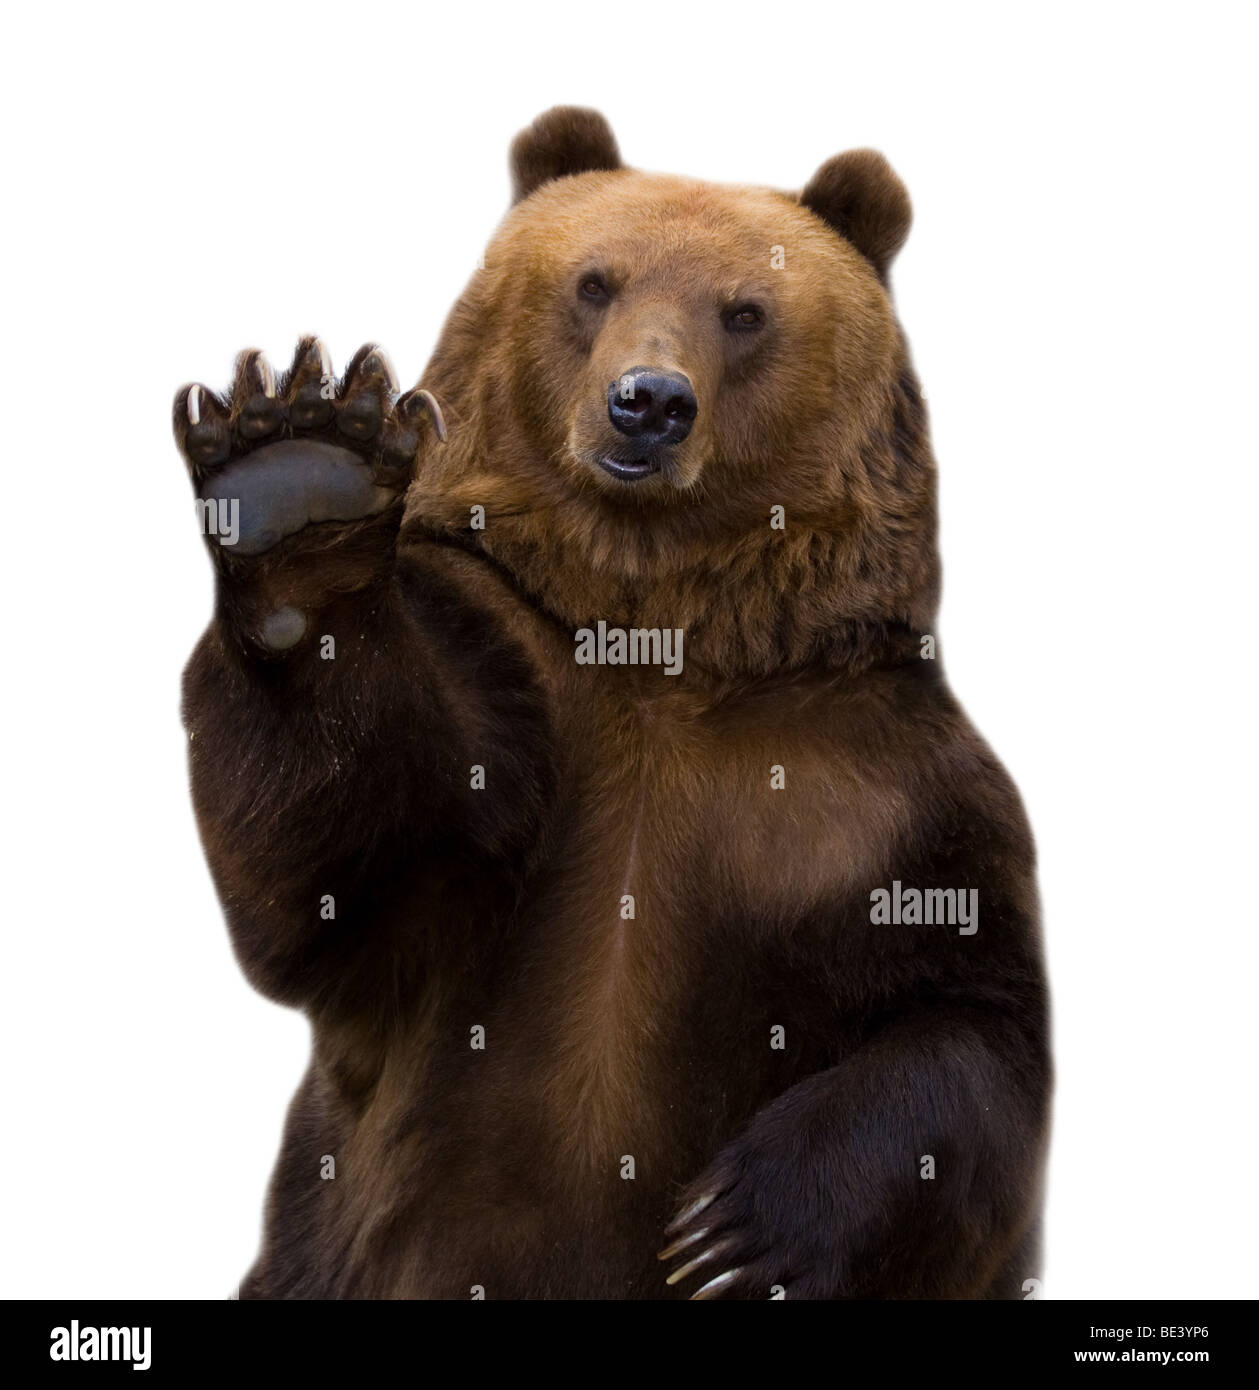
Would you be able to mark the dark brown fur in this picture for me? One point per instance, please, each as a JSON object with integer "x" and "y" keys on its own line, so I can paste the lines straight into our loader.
{"x": 605, "y": 1038}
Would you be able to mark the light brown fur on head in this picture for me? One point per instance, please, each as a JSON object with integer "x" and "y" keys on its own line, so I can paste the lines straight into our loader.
{"x": 814, "y": 411}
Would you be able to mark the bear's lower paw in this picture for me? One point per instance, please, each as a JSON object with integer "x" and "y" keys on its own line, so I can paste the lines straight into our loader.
{"x": 758, "y": 1224}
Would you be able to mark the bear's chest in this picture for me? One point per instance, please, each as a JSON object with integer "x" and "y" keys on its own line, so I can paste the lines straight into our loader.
{"x": 696, "y": 845}
{"x": 753, "y": 809}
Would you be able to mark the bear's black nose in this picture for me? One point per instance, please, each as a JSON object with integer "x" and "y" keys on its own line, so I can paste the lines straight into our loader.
{"x": 655, "y": 407}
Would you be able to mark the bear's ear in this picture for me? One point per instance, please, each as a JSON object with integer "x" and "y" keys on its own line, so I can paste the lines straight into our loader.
{"x": 563, "y": 140}
{"x": 861, "y": 197}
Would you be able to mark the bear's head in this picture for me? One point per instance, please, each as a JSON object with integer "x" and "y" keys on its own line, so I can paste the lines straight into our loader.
{"x": 684, "y": 404}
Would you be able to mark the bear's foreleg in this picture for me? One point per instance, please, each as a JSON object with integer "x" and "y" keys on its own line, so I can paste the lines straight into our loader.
{"x": 325, "y": 749}
{"x": 910, "y": 1170}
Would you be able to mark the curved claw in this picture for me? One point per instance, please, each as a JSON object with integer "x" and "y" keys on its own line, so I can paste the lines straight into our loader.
{"x": 254, "y": 374}
{"x": 716, "y": 1286}
{"x": 435, "y": 413}
{"x": 311, "y": 385}
{"x": 692, "y": 1265}
{"x": 689, "y": 1213}
{"x": 379, "y": 358}
{"x": 679, "y": 1245}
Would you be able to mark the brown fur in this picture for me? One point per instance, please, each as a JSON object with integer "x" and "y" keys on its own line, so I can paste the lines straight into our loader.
{"x": 565, "y": 140}
{"x": 648, "y": 1037}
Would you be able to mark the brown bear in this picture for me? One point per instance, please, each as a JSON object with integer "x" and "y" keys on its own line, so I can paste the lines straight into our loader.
{"x": 570, "y": 744}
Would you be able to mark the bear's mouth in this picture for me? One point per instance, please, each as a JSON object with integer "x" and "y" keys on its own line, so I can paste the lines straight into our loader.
{"x": 629, "y": 470}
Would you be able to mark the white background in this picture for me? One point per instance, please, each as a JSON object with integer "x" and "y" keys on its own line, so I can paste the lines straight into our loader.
{"x": 1079, "y": 289}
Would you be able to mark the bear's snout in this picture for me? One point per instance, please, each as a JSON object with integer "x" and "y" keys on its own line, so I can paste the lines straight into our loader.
{"x": 656, "y": 408}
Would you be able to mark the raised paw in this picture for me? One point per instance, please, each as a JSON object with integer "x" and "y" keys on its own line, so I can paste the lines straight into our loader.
{"x": 278, "y": 455}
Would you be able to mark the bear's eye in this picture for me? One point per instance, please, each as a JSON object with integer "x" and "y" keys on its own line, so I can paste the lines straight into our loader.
{"x": 745, "y": 317}
{"x": 593, "y": 290}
